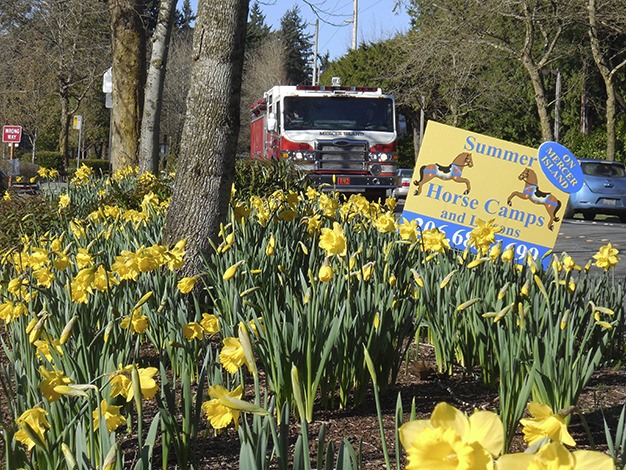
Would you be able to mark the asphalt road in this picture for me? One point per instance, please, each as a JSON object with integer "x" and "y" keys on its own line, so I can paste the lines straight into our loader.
{"x": 581, "y": 239}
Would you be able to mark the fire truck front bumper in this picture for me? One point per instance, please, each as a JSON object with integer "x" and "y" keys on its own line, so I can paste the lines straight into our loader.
{"x": 353, "y": 183}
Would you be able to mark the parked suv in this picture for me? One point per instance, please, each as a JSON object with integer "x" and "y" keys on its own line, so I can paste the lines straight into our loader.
{"x": 603, "y": 190}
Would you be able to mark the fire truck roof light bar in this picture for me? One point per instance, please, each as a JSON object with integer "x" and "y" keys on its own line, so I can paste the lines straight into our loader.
{"x": 337, "y": 88}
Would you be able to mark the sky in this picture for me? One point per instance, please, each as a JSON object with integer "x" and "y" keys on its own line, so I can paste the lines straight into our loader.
{"x": 375, "y": 21}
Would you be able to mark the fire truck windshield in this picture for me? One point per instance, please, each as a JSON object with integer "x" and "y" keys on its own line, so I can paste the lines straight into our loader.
{"x": 345, "y": 113}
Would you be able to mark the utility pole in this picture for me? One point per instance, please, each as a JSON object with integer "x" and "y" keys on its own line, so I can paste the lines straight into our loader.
{"x": 355, "y": 15}
{"x": 317, "y": 31}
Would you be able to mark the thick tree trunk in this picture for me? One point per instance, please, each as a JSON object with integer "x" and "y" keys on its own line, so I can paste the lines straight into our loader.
{"x": 205, "y": 168}
{"x": 149, "y": 147}
{"x": 540, "y": 100}
{"x": 129, "y": 65}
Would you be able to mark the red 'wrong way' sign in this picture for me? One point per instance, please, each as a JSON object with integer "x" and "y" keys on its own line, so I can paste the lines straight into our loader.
{"x": 11, "y": 134}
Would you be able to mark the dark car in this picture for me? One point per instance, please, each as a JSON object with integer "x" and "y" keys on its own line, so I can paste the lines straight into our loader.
{"x": 603, "y": 190}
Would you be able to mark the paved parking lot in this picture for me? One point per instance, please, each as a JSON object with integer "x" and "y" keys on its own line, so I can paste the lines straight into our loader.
{"x": 581, "y": 239}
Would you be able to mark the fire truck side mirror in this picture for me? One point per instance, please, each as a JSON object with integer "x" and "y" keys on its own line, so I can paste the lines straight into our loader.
{"x": 271, "y": 123}
{"x": 402, "y": 130}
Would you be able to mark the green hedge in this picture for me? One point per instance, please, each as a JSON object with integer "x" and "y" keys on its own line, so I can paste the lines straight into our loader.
{"x": 49, "y": 159}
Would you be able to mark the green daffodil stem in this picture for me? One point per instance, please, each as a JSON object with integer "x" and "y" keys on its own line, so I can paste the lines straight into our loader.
{"x": 372, "y": 371}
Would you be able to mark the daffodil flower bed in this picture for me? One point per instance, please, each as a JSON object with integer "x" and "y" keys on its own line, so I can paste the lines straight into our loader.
{"x": 301, "y": 285}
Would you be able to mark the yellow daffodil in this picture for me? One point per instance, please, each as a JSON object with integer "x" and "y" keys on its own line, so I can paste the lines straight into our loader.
{"x": 43, "y": 348}
{"x": 231, "y": 271}
{"x": 193, "y": 331}
{"x": 111, "y": 415}
{"x": 367, "y": 270}
{"x": 136, "y": 322}
{"x": 606, "y": 257}
{"x": 64, "y": 201}
{"x": 569, "y": 264}
{"x": 555, "y": 456}
{"x": 218, "y": 414}
{"x": 37, "y": 423}
{"x": 545, "y": 423}
{"x": 495, "y": 251}
{"x": 434, "y": 240}
{"x": 508, "y": 255}
{"x": 386, "y": 223}
{"x": 210, "y": 324}
{"x": 408, "y": 230}
{"x": 54, "y": 383}
{"x": 186, "y": 284}
{"x": 326, "y": 273}
{"x": 271, "y": 246}
{"x": 450, "y": 440}
{"x": 483, "y": 235}
{"x": 232, "y": 356}
{"x": 333, "y": 241}
{"x": 121, "y": 382}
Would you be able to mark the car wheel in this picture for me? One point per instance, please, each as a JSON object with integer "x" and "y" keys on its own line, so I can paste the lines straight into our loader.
{"x": 589, "y": 215}
{"x": 622, "y": 218}
{"x": 569, "y": 212}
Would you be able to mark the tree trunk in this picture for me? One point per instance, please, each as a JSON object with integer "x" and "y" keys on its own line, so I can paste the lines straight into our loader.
{"x": 129, "y": 59}
{"x": 608, "y": 76}
{"x": 540, "y": 99}
{"x": 65, "y": 125}
{"x": 205, "y": 167}
{"x": 149, "y": 146}
{"x": 610, "y": 121}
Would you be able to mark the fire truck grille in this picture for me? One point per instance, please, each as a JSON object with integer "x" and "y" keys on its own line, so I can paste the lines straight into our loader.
{"x": 344, "y": 155}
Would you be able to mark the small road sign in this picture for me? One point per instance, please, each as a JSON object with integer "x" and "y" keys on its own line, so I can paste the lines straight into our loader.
{"x": 11, "y": 134}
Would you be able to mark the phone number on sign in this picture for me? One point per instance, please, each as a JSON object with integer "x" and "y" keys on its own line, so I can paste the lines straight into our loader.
{"x": 458, "y": 237}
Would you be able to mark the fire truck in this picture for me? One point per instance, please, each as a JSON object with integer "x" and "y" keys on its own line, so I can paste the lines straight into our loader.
{"x": 343, "y": 137}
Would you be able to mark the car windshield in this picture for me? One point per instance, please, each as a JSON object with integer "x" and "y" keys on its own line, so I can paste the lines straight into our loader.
{"x": 406, "y": 173}
{"x": 343, "y": 113}
{"x": 604, "y": 169}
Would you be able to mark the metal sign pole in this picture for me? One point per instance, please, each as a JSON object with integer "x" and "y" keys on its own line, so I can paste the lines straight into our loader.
{"x": 11, "y": 145}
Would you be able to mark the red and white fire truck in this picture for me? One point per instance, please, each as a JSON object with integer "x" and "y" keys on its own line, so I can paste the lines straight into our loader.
{"x": 343, "y": 137}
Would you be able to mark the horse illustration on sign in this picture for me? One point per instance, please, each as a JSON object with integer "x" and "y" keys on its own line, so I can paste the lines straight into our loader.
{"x": 450, "y": 172}
{"x": 532, "y": 192}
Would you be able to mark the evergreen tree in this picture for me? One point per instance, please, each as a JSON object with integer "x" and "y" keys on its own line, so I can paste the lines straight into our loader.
{"x": 257, "y": 31}
{"x": 298, "y": 47}
{"x": 184, "y": 18}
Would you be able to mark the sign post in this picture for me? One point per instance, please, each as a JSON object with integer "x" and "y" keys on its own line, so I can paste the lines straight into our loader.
{"x": 78, "y": 124}
{"x": 11, "y": 135}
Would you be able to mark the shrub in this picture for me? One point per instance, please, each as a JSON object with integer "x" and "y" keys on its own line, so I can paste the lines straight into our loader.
{"x": 29, "y": 215}
{"x": 52, "y": 160}
{"x": 263, "y": 177}
{"x": 100, "y": 167}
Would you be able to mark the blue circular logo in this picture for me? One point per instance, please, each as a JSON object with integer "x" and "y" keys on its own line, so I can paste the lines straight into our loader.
{"x": 560, "y": 166}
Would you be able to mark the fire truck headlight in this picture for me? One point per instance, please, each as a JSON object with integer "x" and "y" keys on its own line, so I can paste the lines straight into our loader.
{"x": 380, "y": 157}
{"x": 375, "y": 170}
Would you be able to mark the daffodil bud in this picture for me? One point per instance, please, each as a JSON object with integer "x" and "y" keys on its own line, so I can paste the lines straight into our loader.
{"x": 65, "y": 334}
